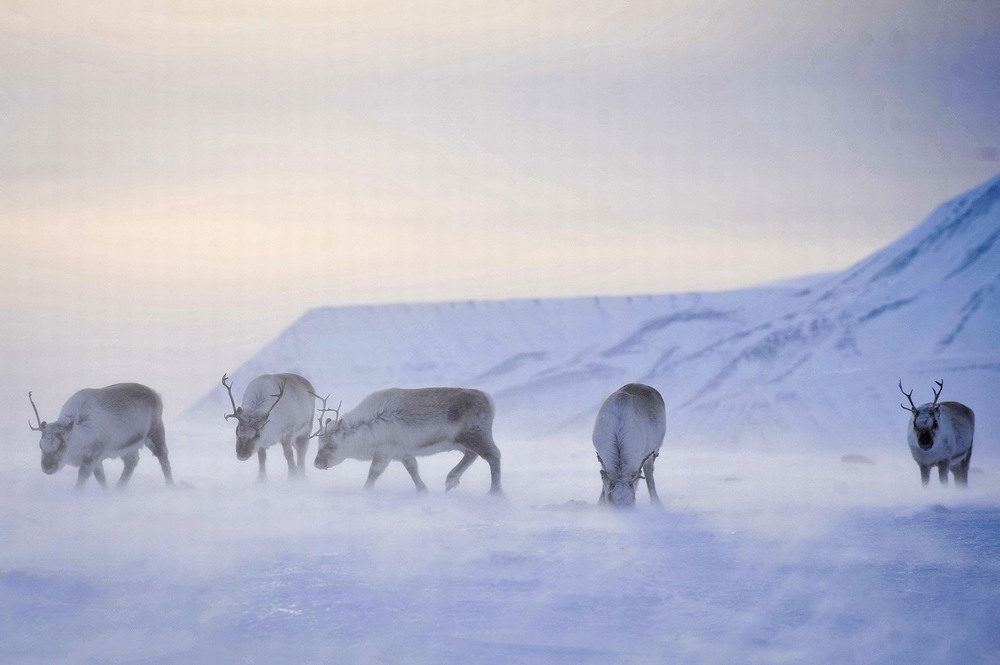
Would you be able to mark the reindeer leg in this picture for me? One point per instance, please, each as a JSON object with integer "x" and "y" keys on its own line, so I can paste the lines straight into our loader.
{"x": 925, "y": 473}
{"x": 157, "y": 443}
{"x": 410, "y": 463}
{"x": 494, "y": 461}
{"x": 965, "y": 467}
{"x": 301, "y": 448}
{"x": 956, "y": 474}
{"x": 455, "y": 475}
{"x": 99, "y": 474}
{"x": 376, "y": 469}
{"x": 647, "y": 470}
{"x": 482, "y": 444}
{"x": 286, "y": 447}
{"x": 86, "y": 469}
{"x": 131, "y": 460}
{"x": 962, "y": 472}
{"x": 943, "y": 472}
{"x": 261, "y": 463}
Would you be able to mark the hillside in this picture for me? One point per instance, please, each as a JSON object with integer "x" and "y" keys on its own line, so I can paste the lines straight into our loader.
{"x": 815, "y": 360}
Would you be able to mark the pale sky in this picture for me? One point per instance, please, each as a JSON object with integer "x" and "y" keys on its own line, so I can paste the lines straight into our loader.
{"x": 179, "y": 182}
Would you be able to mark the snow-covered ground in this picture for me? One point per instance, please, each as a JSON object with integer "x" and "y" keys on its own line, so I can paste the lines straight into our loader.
{"x": 785, "y": 557}
{"x": 771, "y": 548}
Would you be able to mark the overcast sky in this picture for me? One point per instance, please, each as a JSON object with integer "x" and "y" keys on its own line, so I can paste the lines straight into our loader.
{"x": 179, "y": 182}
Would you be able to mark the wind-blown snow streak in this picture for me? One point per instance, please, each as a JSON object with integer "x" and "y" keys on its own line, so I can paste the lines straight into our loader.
{"x": 747, "y": 563}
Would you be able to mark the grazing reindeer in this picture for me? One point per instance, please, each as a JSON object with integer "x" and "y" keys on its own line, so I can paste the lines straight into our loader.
{"x": 398, "y": 424}
{"x": 940, "y": 435}
{"x": 97, "y": 424}
{"x": 277, "y": 408}
{"x": 628, "y": 434}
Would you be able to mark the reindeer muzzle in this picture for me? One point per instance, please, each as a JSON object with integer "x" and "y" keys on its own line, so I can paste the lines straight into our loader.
{"x": 925, "y": 440}
{"x": 622, "y": 495}
{"x": 244, "y": 451}
{"x": 50, "y": 462}
{"x": 324, "y": 459}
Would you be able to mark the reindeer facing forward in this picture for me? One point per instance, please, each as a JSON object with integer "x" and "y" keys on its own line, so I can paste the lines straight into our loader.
{"x": 940, "y": 435}
{"x": 277, "y": 408}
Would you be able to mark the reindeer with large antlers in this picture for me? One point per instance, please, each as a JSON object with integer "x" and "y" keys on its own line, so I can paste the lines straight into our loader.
{"x": 940, "y": 434}
{"x": 276, "y": 408}
{"x": 97, "y": 424}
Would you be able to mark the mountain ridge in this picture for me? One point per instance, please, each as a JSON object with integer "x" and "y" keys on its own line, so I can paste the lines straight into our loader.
{"x": 781, "y": 363}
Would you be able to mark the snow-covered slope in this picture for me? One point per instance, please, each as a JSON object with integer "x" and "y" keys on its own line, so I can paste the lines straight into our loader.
{"x": 926, "y": 307}
{"x": 544, "y": 361}
{"x": 815, "y": 360}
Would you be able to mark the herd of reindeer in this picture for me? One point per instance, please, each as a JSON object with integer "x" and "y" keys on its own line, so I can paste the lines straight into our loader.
{"x": 97, "y": 424}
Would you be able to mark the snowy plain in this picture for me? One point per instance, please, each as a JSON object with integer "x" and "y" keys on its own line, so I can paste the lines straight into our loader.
{"x": 755, "y": 558}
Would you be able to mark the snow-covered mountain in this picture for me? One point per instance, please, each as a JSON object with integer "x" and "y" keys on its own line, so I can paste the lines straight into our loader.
{"x": 814, "y": 360}
{"x": 926, "y": 307}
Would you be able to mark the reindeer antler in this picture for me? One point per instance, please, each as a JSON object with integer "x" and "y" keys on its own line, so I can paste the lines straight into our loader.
{"x": 638, "y": 474}
{"x": 324, "y": 410}
{"x": 229, "y": 389}
{"x": 40, "y": 423}
{"x": 909, "y": 396}
{"x": 937, "y": 393}
{"x": 281, "y": 391}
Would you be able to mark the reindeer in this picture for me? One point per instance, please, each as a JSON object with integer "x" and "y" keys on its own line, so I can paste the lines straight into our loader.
{"x": 276, "y": 408}
{"x": 940, "y": 435}
{"x": 401, "y": 424}
{"x": 628, "y": 434}
{"x": 97, "y": 424}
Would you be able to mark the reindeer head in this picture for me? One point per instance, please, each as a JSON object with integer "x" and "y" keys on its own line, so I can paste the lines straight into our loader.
{"x": 53, "y": 443}
{"x": 330, "y": 451}
{"x": 619, "y": 488}
{"x": 249, "y": 424}
{"x": 925, "y": 417}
